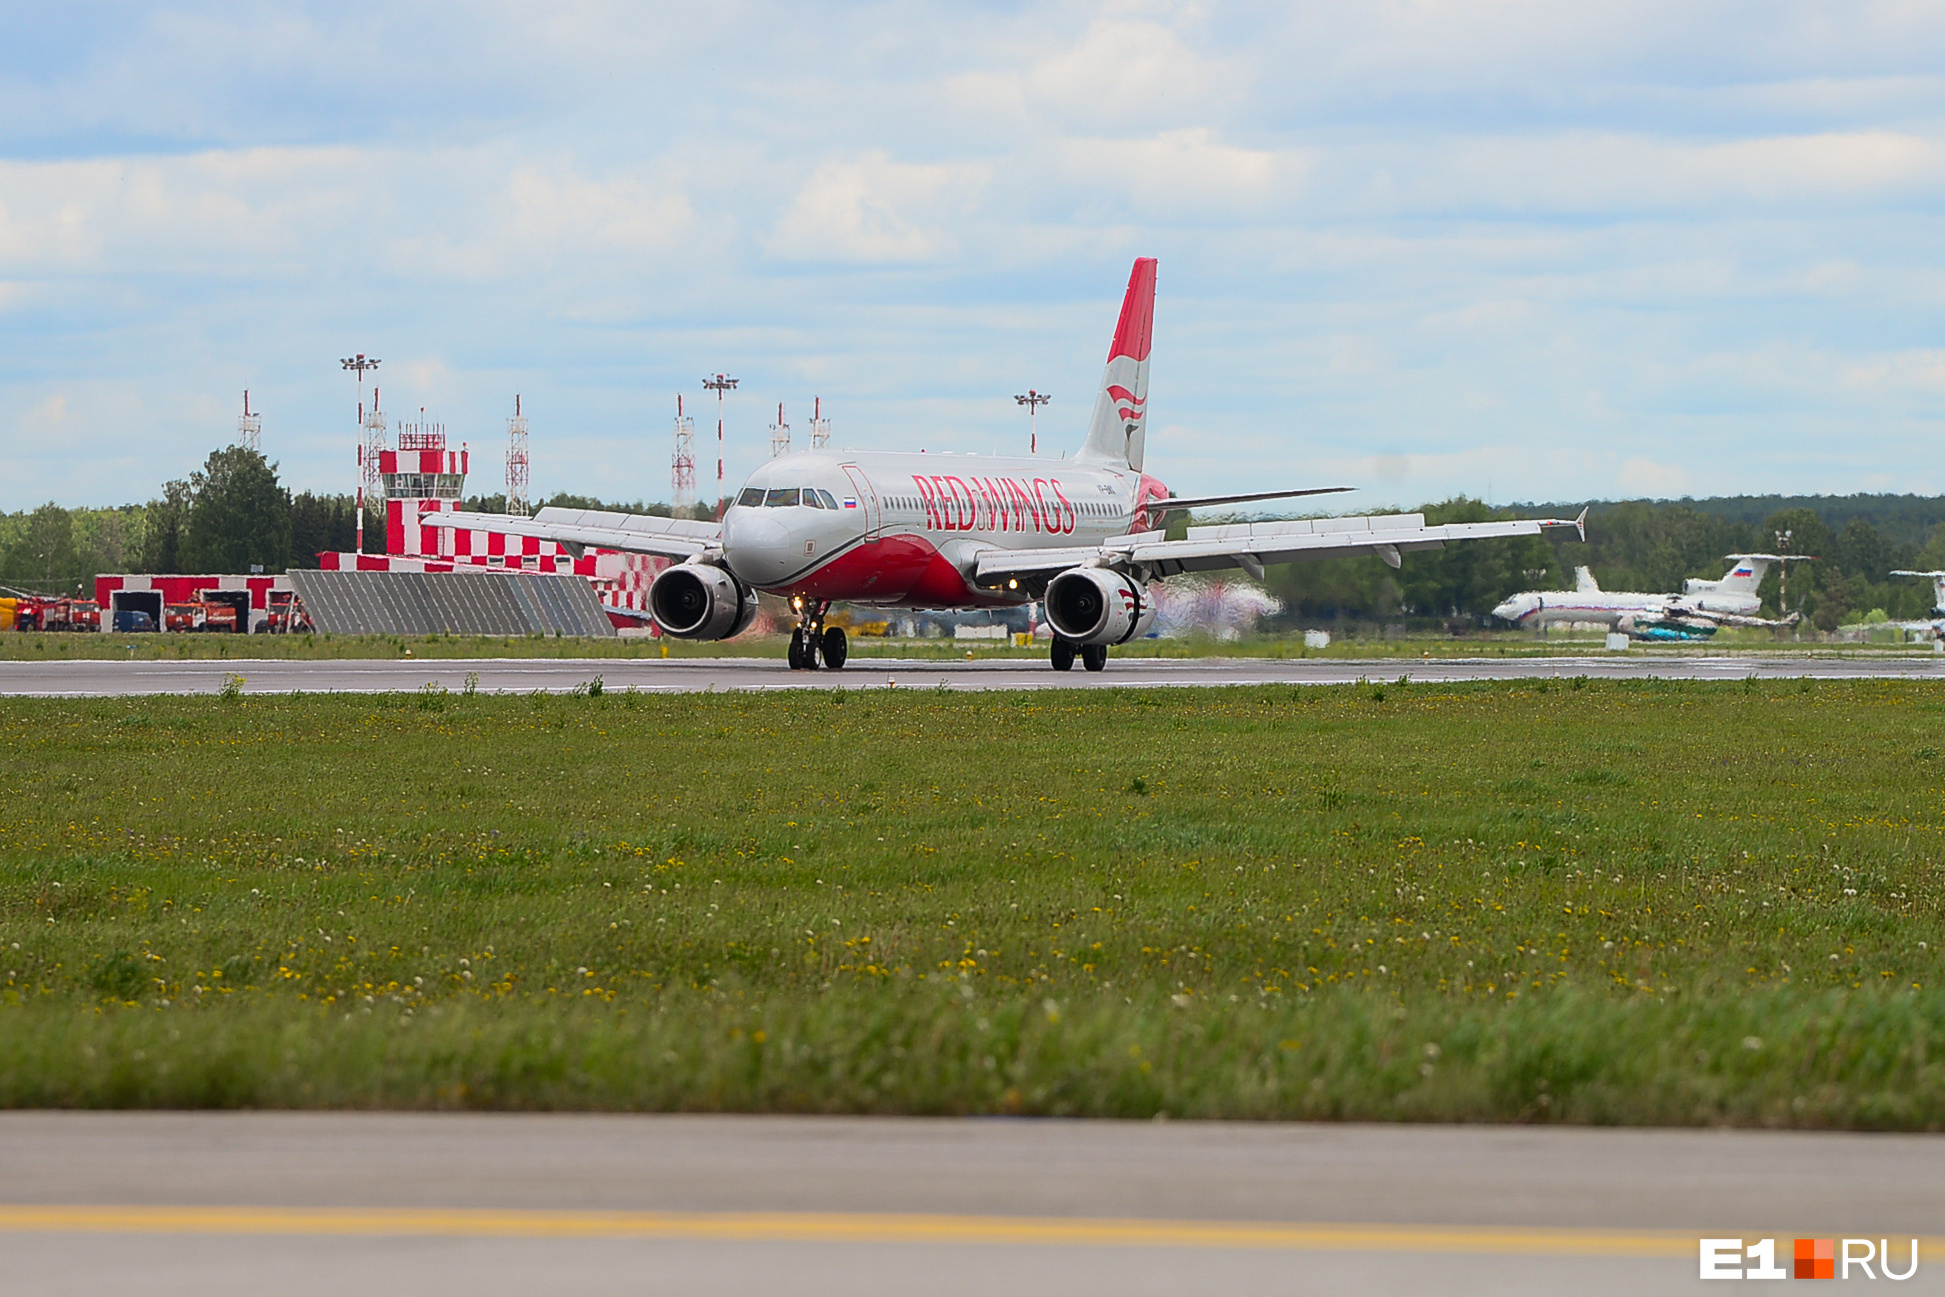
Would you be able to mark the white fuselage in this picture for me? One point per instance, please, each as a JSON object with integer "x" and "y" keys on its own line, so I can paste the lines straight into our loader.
{"x": 901, "y": 529}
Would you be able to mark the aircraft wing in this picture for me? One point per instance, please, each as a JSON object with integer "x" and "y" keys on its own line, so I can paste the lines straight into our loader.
{"x": 583, "y": 529}
{"x": 1253, "y": 545}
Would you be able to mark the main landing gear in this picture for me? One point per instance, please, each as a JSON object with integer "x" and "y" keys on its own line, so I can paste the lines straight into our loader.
{"x": 812, "y": 644}
{"x": 1093, "y": 656}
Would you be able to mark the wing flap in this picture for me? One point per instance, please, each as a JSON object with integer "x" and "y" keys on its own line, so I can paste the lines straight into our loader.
{"x": 1207, "y": 549}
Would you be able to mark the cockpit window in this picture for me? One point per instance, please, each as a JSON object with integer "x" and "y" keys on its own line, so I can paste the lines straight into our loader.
{"x": 751, "y": 498}
{"x": 780, "y": 497}
{"x": 810, "y": 499}
{"x": 830, "y": 501}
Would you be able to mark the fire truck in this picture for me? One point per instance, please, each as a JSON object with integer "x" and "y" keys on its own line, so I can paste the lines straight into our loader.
{"x": 37, "y": 612}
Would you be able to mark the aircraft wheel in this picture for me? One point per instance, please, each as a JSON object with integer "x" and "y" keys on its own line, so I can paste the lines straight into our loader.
{"x": 1063, "y": 655}
{"x": 836, "y": 647}
{"x": 1094, "y": 656}
{"x": 797, "y": 653}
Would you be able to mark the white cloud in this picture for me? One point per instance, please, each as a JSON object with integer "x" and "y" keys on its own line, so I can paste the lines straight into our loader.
{"x": 1640, "y": 476}
{"x": 875, "y": 210}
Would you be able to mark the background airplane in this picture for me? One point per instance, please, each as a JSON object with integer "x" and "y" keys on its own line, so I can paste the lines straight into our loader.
{"x": 941, "y": 531}
{"x": 1936, "y": 626}
{"x": 1703, "y": 607}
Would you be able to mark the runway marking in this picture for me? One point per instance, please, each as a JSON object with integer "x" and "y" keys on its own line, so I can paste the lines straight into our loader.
{"x": 829, "y": 1227}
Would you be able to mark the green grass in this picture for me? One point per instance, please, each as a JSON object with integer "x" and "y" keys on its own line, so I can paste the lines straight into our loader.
{"x": 1585, "y": 901}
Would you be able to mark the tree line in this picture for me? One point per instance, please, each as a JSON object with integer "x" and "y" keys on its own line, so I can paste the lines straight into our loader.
{"x": 1649, "y": 545}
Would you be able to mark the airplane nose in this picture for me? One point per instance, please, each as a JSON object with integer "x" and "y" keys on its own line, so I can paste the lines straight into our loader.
{"x": 1509, "y": 610}
{"x": 756, "y": 547}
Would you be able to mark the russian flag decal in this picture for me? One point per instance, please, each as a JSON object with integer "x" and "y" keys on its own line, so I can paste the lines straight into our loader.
{"x": 850, "y": 501}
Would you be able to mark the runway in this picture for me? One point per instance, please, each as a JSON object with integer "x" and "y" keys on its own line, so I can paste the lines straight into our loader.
{"x": 110, "y": 678}
{"x": 180, "y": 1203}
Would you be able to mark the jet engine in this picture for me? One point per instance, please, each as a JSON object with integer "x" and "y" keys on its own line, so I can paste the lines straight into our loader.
{"x": 700, "y": 601}
{"x": 1097, "y": 605}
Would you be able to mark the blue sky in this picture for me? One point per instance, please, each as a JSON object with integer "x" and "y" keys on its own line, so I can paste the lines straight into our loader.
{"x": 1535, "y": 251}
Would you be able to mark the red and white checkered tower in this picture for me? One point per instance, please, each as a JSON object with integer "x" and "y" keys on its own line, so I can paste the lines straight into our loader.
{"x": 418, "y": 478}
{"x": 682, "y": 467}
{"x": 820, "y": 427}
{"x": 517, "y": 462}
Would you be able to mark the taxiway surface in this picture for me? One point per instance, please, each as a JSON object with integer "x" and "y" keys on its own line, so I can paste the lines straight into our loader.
{"x": 109, "y": 678}
{"x": 180, "y": 1203}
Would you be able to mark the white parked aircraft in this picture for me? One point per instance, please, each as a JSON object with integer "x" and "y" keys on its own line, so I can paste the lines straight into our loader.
{"x": 943, "y": 531}
{"x": 1702, "y": 608}
{"x": 1936, "y": 626}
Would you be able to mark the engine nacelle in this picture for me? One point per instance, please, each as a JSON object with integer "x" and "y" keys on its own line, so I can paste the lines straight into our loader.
{"x": 700, "y": 601}
{"x": 1096, "y": 605}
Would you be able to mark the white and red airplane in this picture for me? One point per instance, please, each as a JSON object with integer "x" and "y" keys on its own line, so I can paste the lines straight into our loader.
{"x": 894, "y": 529}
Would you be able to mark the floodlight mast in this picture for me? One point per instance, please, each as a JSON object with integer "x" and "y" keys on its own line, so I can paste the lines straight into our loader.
{"x": 719, "y": 384}
{"x": 1033, "y": 401}
{"x": 367, "y": 462}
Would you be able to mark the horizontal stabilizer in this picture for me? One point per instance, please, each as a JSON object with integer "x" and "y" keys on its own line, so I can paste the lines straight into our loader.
{"x": 584, "y": 529}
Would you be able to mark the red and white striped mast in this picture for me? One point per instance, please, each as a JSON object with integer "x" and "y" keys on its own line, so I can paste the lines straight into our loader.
{"x": 719, "y": 384}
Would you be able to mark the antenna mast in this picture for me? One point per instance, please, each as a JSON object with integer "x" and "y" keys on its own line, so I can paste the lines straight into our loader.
{"x": 371, "y": 439}
{"x": 820, "y": 427}
{"x": 682, "y": 467}
{"x": 249, "y": 428}
{"x": 779, "y": 435}
{"x": 517, "y": 462}
{"x": 719, "y": 384}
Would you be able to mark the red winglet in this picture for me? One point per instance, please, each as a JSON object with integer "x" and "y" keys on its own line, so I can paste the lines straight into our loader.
{"x": 1135, "y": 332}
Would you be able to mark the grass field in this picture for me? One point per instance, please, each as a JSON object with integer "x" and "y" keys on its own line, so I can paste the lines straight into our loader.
{"x": 1585, "y": 901}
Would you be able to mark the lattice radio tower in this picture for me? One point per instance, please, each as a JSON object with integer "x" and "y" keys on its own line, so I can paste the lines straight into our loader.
{"x": 249, "y": 427}
{"x": 719, "y": 384}
{"x": 682, "y": 465}
{"x": 779, "y": 435}
{"x": 820, "y": 427}
{"x": 517, "y": 462}
{"x": 371, "y": 440}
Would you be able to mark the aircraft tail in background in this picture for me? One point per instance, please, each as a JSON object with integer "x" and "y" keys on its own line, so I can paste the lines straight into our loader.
{"x": 1746, "y": 574}
{"x": 1584, "y": 582}
{"x": 1119, "y": 429}
{"x": 1937, "y": 587}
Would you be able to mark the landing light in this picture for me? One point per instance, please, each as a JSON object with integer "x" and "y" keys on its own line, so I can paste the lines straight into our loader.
{"x": 1014, "y": 584}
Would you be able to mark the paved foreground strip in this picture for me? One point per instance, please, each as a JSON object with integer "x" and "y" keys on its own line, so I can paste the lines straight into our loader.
{"x": 304, "y": 1203}
{"x": 847, "y": 1228}
{"x": 108, "y": 678}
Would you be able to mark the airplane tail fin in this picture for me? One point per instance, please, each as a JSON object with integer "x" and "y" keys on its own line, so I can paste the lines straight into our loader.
{"x": 1584, "y": 582}
{"x": 1745, "y": 576}
{"x": 1937, "y": 587}
{"x": 1119, "y": 430}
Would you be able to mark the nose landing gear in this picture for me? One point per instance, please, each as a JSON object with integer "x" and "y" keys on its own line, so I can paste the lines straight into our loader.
{"x": 812, "y": 644}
